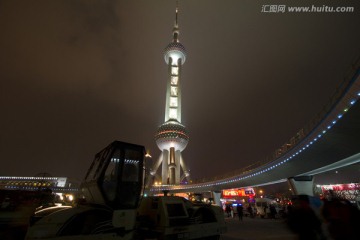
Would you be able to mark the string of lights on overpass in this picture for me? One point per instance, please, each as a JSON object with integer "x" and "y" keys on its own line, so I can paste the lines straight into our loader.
{"x": 341, "y": 110}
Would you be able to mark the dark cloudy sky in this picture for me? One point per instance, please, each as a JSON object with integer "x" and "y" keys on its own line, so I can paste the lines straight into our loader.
{"x": 76, "y": 75}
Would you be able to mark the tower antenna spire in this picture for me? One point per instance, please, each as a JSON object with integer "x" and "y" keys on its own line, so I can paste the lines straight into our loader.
{"x": 176, "y": 31}
{"x": 176, "y": 13}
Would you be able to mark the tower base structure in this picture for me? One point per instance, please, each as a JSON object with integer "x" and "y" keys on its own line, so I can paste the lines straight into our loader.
{"x": 172, "y": 163}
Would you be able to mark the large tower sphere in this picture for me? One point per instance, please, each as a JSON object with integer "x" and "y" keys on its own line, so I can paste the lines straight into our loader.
{"x": 171, "y": 134}
{"x": 175, "y": 50}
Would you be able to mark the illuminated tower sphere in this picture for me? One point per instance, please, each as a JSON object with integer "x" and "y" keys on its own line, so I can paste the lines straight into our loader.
{"x": 171, "y": 136}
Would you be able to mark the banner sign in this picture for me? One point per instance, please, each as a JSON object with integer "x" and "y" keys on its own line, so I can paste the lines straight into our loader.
{"x": 243, "y": 192}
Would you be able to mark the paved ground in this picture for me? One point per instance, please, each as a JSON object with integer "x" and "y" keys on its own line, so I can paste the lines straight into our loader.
{"x": 257, "y": 229}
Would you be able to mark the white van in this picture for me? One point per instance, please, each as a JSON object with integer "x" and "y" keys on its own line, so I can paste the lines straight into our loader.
{"x": 261, "y": 204}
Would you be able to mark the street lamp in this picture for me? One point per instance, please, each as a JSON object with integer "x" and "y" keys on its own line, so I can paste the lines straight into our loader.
{"x": 261, "y": 192}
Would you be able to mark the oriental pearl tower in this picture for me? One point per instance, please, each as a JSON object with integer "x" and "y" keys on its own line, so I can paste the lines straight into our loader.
{"x": 171, "y": 137}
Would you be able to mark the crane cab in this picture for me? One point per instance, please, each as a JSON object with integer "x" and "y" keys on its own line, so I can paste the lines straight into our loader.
{"x": 112, "y": 190}
{"x": 115, "y": 177}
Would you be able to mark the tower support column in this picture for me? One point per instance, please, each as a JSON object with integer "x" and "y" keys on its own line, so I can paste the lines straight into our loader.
{"x": 156, "y": 165}
{"x": 172, "y": 175}
{"x": 165, "y": 164}
{"x": 178, "y": 165}
{"x": 185, "y": 169}
{"x": 302, "y": 185}
{"x": 172, "y": 166}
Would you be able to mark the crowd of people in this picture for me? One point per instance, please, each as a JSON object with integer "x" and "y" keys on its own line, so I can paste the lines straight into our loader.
{"x": 336, "y": 219}
{"x": 249, "y": 210}
{"x": 329, "y": 219}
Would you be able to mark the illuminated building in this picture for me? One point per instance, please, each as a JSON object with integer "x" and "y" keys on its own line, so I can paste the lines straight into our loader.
{"x": 238, "y": 195}
{"x": 348, "y": 191}
{"x": 17, "y": 190}
{"x": 171, "y": 136}
{"x": 38, "y": 183}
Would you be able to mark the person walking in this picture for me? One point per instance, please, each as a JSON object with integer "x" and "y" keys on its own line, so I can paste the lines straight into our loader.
{"x": 250, "y": 210}
{"x": 228, "y": 210}
{"x": 265, "y": 211}
{"x": 240, "y": 212}
{"x": 272, "y": 211}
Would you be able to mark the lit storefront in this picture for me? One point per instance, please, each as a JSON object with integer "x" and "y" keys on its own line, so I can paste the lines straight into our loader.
{"x": 235, "y": 196}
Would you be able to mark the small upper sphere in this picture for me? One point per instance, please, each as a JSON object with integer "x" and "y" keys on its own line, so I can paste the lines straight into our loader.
{"x": 172, "y": 134}
{"x": 175, "y": 50}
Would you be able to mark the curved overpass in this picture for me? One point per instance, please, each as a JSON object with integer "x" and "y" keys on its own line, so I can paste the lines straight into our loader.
{"x": 330, "y": 142}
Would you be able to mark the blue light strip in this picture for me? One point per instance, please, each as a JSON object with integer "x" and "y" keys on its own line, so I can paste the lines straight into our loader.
{"x": 306, "y": 145}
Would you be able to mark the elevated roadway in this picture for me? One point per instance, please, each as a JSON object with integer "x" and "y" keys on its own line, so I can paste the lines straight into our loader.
{"x": 329, "y": 142}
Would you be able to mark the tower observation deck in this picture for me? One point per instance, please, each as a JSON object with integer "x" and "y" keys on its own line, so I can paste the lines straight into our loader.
{"x": 171, "y": 137}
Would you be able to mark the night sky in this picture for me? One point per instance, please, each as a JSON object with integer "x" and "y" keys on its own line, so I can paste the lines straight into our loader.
{"x": 77, "y": 75}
